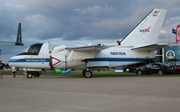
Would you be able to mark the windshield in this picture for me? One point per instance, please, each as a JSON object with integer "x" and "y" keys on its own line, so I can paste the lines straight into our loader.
{"x": 32, "y": 50}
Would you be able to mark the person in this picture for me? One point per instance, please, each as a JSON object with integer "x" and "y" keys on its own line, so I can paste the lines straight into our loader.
{"x": 2, "y": 65}
{"x": 13, "y": 71}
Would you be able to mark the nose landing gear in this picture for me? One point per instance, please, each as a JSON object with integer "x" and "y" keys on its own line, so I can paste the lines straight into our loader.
{"x": 31, "y": 74}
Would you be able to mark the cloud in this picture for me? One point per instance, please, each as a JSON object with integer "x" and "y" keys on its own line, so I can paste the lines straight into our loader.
{"x": 78, "y": 21}
{"x": 95, "y": 10}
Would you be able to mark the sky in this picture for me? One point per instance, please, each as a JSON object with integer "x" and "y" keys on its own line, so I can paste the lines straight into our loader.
{"x": 78, "y": 22}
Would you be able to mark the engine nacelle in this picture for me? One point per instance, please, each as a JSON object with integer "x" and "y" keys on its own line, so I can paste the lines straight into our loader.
{"x": 59, "y": 48}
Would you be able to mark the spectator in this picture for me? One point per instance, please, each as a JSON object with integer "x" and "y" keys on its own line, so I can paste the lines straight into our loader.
{"x": 13, "y": 71}
{"x": 2, "y": 65}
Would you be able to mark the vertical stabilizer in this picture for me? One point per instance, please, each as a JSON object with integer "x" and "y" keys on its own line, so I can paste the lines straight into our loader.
{"x": 19, "y": 36}
{"x": 147, "y": 31}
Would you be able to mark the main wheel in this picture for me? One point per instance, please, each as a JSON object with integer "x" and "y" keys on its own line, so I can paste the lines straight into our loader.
{"x": 160, "y": 72}
{"x": 83, "y": 72}
{"x": 87, "y": 74}
{"x": 139, "y": 72}
{"x": 36, "y": 74}
{"x": 29, "y": 76}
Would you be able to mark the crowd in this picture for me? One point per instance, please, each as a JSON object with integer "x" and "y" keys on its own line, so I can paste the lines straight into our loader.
{"x": 6, "y": 66}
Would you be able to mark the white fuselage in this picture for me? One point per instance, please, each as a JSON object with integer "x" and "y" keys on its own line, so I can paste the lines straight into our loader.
{"x": 109, "y": 57}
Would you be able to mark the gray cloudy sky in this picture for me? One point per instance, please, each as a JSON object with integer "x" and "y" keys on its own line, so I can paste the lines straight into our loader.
{"x": 80, "y": 22}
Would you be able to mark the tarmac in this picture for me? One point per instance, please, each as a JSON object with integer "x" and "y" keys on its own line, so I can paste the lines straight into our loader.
{"x": 96, "y": 94}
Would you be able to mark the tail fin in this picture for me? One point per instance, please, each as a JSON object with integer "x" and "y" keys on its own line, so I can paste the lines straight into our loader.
{"x": 19, "y": 36}
{"x": 147, "y": 31}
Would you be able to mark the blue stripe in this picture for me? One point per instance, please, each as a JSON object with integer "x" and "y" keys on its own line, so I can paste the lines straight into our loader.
{"x": 93, "y": 59}
{"x": 120, "y": 59}
{"x": 30, "y": 60}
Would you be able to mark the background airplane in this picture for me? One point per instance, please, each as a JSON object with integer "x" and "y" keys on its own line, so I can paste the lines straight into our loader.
{"x": 138, "y": 46}
{"x": 18, "y": 39}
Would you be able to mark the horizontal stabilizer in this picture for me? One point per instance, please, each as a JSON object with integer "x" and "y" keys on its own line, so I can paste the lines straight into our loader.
{"x": 151, "y": 47}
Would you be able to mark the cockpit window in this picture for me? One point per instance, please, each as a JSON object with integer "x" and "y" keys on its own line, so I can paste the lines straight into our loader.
{"x": 33, "y": 49}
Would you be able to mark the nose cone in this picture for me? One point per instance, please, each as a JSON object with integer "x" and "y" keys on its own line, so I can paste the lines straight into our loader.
{"x": 13, "y": 61}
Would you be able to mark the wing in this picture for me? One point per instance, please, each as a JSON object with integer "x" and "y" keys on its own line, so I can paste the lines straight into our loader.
{"x": 7, "y": 43}
{"x": 88, "y": 48}
{"x": 84, "y": 52}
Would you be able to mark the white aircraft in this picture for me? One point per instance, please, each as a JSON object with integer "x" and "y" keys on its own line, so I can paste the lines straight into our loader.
{"x": 138, "y": 46}
{"x": 18, "y": 39}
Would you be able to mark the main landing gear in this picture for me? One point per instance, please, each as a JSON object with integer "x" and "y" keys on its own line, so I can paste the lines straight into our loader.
{"x": 87, "y": 73}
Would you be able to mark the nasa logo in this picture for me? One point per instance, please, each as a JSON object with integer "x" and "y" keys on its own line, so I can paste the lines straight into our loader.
{"x": 145, "y": 30}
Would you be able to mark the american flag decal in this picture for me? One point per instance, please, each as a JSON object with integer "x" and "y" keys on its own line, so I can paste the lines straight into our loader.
{"x": 155, "y": 13}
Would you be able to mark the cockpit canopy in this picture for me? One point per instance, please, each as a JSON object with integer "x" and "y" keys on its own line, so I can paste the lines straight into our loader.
{"x": 33, "y": 49}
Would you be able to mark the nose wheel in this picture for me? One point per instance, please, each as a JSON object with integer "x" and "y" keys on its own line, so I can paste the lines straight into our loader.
{"x": 29, "y": 76}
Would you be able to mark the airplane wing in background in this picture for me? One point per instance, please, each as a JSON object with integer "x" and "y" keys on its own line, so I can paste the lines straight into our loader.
{"x": 18, "y": 39}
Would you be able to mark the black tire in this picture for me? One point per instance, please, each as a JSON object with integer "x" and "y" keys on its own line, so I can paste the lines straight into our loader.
{"x": 83, "y": 72}
{"x": 160, "y": 72}
{"x": 139, "y": 72}
{"x": 37, "y": 74}
{"x": 87, "y": 74}
{"x": 29, "y": 76}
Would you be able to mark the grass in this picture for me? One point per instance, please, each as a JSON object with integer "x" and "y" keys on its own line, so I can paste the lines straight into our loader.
{"x": 109, "y": 73}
